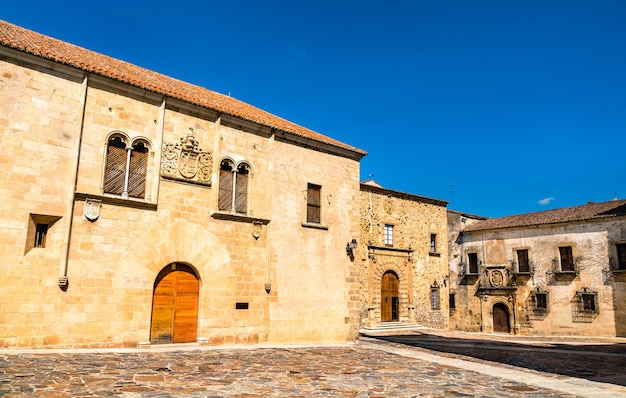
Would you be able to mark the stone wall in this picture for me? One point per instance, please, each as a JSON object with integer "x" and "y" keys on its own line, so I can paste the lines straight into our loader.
{"x": 465, "y": 315}
{"x": 592, "y": 245}
{"x": 419, "y": 270}
{"x": 295, "y": 280}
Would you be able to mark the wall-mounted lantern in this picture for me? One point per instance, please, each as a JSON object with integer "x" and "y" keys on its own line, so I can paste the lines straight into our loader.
{"x": 351, "y": 247}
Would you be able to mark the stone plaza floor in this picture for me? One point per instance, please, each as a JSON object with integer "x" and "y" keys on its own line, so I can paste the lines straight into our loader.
{"x": 386, "y": 366}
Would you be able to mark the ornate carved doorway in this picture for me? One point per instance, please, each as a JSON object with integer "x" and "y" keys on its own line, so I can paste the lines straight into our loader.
{"x": 175, "y": 305}
{"x": 389, "y": 297}
{"x": 501, "y": 319}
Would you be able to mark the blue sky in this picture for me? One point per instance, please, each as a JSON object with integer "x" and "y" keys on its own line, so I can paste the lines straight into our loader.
{"x": 499, "y": 107}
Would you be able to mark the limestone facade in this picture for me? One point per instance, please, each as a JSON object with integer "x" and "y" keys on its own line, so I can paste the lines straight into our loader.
{"x": 109, "y": 187}
{"x": 560, "y": 272}
{"x": 403, "y": 258}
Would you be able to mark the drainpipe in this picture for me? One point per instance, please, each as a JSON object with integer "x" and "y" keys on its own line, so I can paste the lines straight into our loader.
{"x": 65, "y": 259}
{"x": 268, "y": 198}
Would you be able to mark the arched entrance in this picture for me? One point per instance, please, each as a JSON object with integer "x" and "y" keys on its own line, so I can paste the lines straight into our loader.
{"x": 175, "y": 305}
{"x": 501, "y": 319}
{"x": 389, "y": 297}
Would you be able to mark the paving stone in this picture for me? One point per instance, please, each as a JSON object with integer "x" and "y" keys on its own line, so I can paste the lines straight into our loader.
{"x": 345, "y": 371}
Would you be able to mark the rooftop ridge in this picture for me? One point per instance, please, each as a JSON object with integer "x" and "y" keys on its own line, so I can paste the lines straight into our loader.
{"x": 588, "y": 211}
{"x": 58, "y": 51}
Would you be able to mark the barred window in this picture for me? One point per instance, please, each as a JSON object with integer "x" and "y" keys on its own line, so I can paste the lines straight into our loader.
{"x": 434, "y": 298}
{"x": 539, "y": 304}
{"x": 126, "y": 168}
{"x": 585, "y": 306}
{"x": 540, "y": 301}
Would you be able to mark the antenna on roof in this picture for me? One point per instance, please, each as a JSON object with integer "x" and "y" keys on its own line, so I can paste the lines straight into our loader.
{"x": 614, "y": 196}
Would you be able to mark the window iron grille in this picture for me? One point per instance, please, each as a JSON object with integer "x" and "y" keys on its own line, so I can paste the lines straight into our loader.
{"x": 585, "y": 306}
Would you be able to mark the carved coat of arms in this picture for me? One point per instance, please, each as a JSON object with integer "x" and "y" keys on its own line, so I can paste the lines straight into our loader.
{"x": 185, "y": 160}
{"x": 497, "y": 277}
{"x": 92, "y": 209}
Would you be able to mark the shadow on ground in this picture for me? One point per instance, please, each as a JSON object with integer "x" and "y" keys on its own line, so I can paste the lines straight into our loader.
{"x": 596, "y": 362}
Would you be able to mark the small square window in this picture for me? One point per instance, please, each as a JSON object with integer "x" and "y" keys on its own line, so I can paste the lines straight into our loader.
{"x": 388, "y": 235}
{"x": 39, "y": 226}
{"x": 41, "y": 232}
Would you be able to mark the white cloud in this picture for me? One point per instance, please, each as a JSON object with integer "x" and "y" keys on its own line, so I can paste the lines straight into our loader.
{"x": 546, "y": 201}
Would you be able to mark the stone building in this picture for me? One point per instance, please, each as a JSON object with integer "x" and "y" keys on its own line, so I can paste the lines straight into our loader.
{"x": 462, "y": 302}
{"x": 139, "y": 209}
{"x": 557, "y": 272}
{"x": 403, "y": 257}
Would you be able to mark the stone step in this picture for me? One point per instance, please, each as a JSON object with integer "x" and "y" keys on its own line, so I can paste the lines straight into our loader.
{"x": 390, "y": 327}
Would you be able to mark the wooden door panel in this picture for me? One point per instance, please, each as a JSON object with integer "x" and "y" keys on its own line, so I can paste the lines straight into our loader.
{"x": 163, "y": 313}
{"x": 175, "y": 309}
{"x": 500, "y": 319}
{"x": 388, "y": 293}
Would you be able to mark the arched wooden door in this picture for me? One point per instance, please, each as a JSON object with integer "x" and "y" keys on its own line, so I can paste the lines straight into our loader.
{"x": 175, "y": 305}
{"x": 501, "y": 319}
{"x": 389, "y": 297}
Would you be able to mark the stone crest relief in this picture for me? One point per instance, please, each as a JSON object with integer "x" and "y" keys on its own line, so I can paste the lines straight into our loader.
{"x": 498, "y": 277}
{"x": 186, "y": 161}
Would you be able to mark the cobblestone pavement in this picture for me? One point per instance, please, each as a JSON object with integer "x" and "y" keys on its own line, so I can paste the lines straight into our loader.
{"x": 368, "y": 369}
{"x": 593, "y": 359}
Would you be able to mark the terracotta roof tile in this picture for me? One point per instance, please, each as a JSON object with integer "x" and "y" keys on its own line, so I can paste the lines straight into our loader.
{"x": 34, "y": 43}
{"x": 590, "y": 211}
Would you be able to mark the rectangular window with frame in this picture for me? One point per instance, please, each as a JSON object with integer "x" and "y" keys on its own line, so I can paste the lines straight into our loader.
{"x": 313, "y": 204}
{"x": 567, "y": 259}
{"x": 434, "y": 298}
{"x": 433, "y": 243}
{"x": 523, "y": 265}
{"x": 621, "y": 256}
{"x": 452, "y": 301}
{"x": 388, "y": 235}
{"x": 472, "y": 260}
